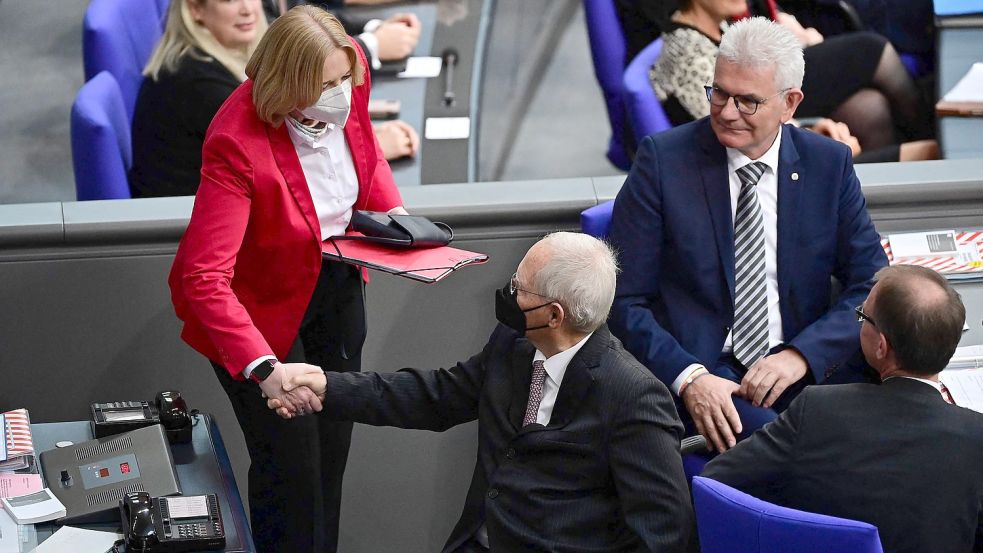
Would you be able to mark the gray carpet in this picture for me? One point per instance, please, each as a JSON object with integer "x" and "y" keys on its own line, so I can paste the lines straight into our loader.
{"x": 564, "y": 133}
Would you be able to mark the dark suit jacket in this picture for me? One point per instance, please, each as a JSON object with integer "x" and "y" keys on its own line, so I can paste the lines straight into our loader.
{"x": 169, "y": 124}
{"x": 672, "y": 224}
{"x": 604, "y": 475}
{"x": 895, "y": 455}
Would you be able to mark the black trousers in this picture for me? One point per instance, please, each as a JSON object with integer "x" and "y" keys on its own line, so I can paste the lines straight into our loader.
{"x": 296, "y": 466}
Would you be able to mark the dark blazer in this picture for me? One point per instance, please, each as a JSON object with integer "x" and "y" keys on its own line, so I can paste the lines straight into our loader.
{"x": 169, "y": 124}
{"x": 673, "y": 227}
{"x": 604, "y": 475}
{"x": 895, "y": 455}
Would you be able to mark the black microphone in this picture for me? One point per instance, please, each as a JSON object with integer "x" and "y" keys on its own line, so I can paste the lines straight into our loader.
{"x": 693, "y": 444}
{"x": 450, "y": 58}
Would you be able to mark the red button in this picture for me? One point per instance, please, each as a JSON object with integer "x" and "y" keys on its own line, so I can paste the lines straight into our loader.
{"x": 124, "y": 468}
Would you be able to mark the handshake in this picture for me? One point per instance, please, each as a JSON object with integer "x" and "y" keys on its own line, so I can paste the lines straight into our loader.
{"x": 294, "y": 389}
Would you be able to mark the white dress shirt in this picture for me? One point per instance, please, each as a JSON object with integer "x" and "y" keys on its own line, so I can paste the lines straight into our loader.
{"x": 330, "y": 174}
{"x": 767, "y": 189}
{"x": 556, "y": 367}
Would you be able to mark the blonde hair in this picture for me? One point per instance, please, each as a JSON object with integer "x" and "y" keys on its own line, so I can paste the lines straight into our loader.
{"x": 183, "y": 34}
{"x": 286, "y": 66}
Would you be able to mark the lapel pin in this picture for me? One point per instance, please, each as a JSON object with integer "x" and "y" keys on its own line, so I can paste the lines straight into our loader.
{"x": 795, "y": 176}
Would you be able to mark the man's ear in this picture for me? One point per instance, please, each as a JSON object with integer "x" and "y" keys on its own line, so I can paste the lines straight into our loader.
{"x": 793, "y": 98}
{"x": 883, "y": 347}
{"x": 557, "y": 315}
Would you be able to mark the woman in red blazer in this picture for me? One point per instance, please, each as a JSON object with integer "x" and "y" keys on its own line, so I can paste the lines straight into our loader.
{"x": 286, "y": 159}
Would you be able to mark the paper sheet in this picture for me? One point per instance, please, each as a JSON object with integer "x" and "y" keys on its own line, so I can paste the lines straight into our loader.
{"x": 969, "y": 88}
{"x": 421, "y": 67}
{"x": 447, "y": 128}
{"x": 12, "y": 485}
{"x": 69, "y": 539}
{"x": 965, "y": 386}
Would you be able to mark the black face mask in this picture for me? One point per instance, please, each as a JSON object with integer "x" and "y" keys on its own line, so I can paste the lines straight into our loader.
{"x": 508, "y": 312}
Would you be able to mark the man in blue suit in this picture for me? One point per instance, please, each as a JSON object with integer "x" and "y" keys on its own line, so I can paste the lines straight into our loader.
{"x": 729, "y": 230}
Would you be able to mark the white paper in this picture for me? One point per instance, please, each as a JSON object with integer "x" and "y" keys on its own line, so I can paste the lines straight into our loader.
{"x": 965, "y": 386}
{"x": 421, "y": 67}
{"x": 966, "y": 357}
{"x": 14, "y": 538}
{"x": 69, "y": 539}
{"x": 940, "y": 243}
{"x": 969, "y": 88}
{"x": 447, "y": 128}
{"x": 188, "y": 507}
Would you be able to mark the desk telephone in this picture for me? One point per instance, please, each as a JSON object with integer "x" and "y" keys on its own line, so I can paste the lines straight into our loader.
{"x": 171, "y": 524}
{"x": 169, "y": 410}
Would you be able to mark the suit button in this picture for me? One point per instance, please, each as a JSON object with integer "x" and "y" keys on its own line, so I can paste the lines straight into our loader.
{"x": 492, "y": 493}
{"x": 510, "y": 453}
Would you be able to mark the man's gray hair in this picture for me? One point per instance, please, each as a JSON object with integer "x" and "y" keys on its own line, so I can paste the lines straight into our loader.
{"x": 580, "y": 273}
{"x": 759, "y": 42}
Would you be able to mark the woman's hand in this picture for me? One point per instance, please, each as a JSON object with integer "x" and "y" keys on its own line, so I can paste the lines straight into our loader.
{"x": 398, "y": 36}
{"x": 808, "y": 37}
{"x": 397, "y": 139}
{"x": 839, "y": 132}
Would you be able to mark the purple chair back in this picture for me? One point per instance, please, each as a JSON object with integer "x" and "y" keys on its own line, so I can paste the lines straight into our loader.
{"x": 608, "y": 48}
{"x": 118, "y": 36}
{"x": 732, "y": 521}
{"x": 100, "y": 131}
{"x": 596, "y": 221}
{"x": 644, "y": 110}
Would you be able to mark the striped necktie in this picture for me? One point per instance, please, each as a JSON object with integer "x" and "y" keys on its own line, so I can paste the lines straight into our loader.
{"x": 535, "y": 392}
{"x": 750, "y": 334}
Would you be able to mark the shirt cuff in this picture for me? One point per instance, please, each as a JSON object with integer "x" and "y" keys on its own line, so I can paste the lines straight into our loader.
{"x": 371, "y": 43}
{"x": 690, "y": 369}
{"x": 249, "y": 368}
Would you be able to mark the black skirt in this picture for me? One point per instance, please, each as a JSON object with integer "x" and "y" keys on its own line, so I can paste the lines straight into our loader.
{"x": 837, "y": 68}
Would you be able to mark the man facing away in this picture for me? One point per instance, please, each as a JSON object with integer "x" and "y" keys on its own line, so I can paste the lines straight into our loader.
{"x": 731, "y": 229}
{"x": 896, "y": 455}
{"x": 578, "y": 444}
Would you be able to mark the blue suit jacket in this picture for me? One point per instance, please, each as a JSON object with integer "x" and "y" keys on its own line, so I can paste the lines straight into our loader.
{"x": 673, "y": 229}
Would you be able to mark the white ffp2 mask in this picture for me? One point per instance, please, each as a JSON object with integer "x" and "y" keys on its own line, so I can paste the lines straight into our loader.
{"x": 333, "y": 106}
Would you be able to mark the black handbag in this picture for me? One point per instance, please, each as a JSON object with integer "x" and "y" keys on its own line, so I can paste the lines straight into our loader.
{"x": 403, "y": 231}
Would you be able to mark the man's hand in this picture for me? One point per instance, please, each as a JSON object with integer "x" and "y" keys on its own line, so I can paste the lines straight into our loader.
{"x": 708, "y": 401}
{"x": 397, "y": 139}
{"x": 313, "y": 381}
{"x": 839, "y": 132}
{"x": 771, "y": 375}
{"x": 293, "y": 399}
{"x": 398, "y": 36}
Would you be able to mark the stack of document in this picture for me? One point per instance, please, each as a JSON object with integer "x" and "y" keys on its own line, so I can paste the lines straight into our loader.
{"x": 17, "y": 445}
{"x": 963, "y": 376}
{"x": 966, "y": 98}
{"x": 956, "y": 254}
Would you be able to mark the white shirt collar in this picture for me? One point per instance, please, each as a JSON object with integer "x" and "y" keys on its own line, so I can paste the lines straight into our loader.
{"x": 301, "y": 138}
{"x": 736, "y": 160}
{"x": 933, "y": 383}
{"x": 556, "y": 366}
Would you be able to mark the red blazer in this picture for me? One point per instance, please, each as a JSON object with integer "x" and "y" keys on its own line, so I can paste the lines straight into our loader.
{"x": 250, "y": 258}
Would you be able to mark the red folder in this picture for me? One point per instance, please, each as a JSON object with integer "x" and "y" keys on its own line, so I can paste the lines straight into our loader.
{"x": 424, "y": 264}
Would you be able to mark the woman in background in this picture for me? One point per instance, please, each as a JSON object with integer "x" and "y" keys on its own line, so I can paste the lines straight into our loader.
{"x": 200, "y": 59}
{"x": 290, "y": 155}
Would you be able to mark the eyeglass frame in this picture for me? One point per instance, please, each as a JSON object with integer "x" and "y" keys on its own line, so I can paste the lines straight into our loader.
{"x": 861, "y": 316}
{"x": 514, "y": 288}
{"x": 737, "y": 103}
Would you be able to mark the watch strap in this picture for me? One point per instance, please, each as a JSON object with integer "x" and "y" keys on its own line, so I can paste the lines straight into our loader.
{"x": 262, "y": 371}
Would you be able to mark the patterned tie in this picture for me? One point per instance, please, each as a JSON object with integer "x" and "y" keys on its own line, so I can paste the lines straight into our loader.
{"x": 945, "y": 394}
{"x": 750, "y": 334}
{"x": 535, "y": 392}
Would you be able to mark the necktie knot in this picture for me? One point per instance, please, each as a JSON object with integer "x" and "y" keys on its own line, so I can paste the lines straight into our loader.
{"x": 750, "y": 174}
{"x": 535, "y": 392}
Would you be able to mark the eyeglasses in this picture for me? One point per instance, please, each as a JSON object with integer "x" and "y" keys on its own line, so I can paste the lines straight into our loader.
{"x": 861, "y": 316}
{"x": 748, "y": 105}
{"x": 514, "y": 287}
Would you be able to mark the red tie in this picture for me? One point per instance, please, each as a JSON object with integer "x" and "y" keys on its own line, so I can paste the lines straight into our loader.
{"x": 945, "y": 394}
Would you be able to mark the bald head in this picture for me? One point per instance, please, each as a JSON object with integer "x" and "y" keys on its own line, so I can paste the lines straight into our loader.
{"x": 919, "y": 314}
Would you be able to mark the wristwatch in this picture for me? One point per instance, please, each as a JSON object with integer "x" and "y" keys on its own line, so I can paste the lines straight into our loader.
{"x": 262, "y": 371}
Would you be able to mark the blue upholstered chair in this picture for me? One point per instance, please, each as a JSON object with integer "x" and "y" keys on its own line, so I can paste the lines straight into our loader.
{"x": 644, "y": 109}
{"x": 609, "y": 48}
{"x": 162, "y": 7}
{"x": 731, "y": 521}
{"x": 101, "y": 152}
{"x": 118, "y": 36}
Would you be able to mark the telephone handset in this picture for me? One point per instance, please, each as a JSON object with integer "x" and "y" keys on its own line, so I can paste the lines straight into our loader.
{"x": 168, "y": 409}
{"x": 171, "y": 524}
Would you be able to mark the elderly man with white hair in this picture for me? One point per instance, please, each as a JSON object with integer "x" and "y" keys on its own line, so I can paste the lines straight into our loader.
{"x": 732, "y": 228}
{"x": 578, "y": 444}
